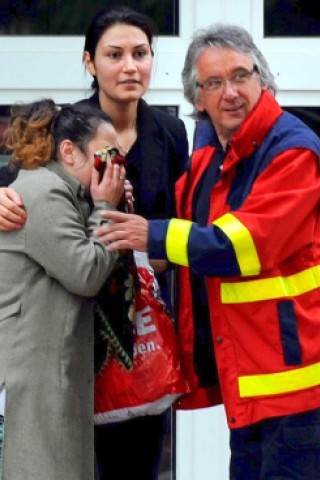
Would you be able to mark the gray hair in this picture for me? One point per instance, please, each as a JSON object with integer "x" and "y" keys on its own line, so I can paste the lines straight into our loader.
{"x": 222, "y": 36}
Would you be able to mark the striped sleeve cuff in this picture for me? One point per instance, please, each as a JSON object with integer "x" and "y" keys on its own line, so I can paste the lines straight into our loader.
{"x": 157, "y": 239}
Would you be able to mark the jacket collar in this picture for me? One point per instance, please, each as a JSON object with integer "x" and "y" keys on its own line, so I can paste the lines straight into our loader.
{"x": 145, "y": 120}
{"x": 74, "y": 184}
{"x": 250, "y": 134}
{"x": 256, "y": 126}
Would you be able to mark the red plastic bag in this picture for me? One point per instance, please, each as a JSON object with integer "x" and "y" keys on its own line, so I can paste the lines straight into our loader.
{"x": 155, "y": 380}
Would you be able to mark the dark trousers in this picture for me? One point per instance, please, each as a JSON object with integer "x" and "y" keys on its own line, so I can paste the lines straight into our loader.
{"x": 283, "y": 448}
{"x": 133, "y": 446}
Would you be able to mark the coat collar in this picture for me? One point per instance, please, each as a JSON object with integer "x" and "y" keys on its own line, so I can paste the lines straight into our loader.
{"x": 250, "y": 134}
{"x": 256, "y": 126}
{"x": 74, "y": 184}
{"x": 145, "y": 120}
{"x": 148, "y": 155}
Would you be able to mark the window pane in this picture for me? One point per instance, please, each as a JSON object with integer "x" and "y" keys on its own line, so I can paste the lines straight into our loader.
{"x": 70, "y": 17}
{"x": 171, "y": 109}
{"x": 309, "y": 115}
{"x": 291, "y": 18}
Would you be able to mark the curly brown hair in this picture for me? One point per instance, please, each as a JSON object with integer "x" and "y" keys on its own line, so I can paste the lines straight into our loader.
{"x": 29, "y": 134}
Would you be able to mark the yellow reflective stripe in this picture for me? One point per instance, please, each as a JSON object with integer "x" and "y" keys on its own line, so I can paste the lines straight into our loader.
{"x": 283, "y": 382}
{"x": 242, "y": 242}
{"x": 271, "y": 288}
{"x": 177, "y": 241}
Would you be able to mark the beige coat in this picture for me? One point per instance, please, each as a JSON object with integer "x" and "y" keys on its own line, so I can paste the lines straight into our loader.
{"x": 49, "y": 270}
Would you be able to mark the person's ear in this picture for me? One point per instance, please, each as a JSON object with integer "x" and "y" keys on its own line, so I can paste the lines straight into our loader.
{"x": 66, "y": 150}
{"x": 89, "y": 63}
{"x": 199, "y": 105}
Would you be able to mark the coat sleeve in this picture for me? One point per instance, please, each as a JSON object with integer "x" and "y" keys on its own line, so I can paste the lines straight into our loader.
{"x": 277, "y": 220}
{"x": 59, "y": 239}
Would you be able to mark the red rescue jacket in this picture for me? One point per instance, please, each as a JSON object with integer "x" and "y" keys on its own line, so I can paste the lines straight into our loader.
{"x": 263, "y": 296}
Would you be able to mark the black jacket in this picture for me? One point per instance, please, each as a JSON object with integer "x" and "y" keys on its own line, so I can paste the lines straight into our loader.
{"x": 156, "y": 160}
{"x": 154, "y": 163}
{"x": 7, "y": 176}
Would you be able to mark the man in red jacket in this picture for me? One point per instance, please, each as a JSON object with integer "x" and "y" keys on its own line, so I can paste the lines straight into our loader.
{"x": 247, "y": 241}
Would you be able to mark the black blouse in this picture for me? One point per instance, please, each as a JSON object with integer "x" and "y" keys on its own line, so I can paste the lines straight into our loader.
{"x": 156, "y": 160}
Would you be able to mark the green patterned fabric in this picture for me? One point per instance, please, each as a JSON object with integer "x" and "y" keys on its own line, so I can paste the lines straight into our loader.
{"x": 114, "y": 314}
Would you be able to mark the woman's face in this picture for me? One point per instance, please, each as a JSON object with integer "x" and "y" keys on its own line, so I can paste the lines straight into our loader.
{"x": 122, "y": 63}
{"x": 82, "y": 164}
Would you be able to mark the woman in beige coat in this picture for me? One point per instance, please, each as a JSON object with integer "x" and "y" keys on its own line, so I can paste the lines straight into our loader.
{"x": 49, "y": 270}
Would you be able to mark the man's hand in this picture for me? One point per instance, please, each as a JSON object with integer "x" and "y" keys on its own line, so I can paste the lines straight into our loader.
{"x": 12, "y": 213}
{"x": 127, "y": 232}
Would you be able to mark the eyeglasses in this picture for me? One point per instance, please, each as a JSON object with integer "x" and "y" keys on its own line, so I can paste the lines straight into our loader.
{"x": 239, "y": 79}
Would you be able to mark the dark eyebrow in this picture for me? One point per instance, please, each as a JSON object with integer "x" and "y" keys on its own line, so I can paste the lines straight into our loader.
{"x": 112, "y": 46}
{"x": 145, "y": 44}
